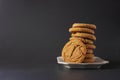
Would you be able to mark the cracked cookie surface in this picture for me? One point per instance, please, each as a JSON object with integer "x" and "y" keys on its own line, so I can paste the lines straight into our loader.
{"x": 74, "y": 51}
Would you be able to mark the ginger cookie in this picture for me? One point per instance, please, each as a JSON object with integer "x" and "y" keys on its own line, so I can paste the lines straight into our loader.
{"x": 88, "y": 56}
{"x": 81, "y": 30}
{"x": 89, "y": 51}
{"x": 90, "y": 60}
{"x": 65, "y": 47}
{"x": 74, "y": 51}
{"x": 84, "y": 35}
{"x": 86, "y": 41}
{"x": 83, "y": 25}
{"x": 90, "y": 46}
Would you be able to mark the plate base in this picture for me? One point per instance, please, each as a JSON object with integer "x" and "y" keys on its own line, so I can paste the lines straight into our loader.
{"x": 97, "y": 64}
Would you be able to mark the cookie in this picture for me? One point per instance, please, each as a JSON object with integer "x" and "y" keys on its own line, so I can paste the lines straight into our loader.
{"x": 84, "y": 35}
{"x": 81, "y": 30}
{"x": 83, "y": 25}
{"x": 86, "y": 41}
{"x": 88, "y": 56}
{"x": 74, "y": 51}
{"x": 77, "y": 43}
{"x": 89, "y": 51}
{"x": 90, "y": 46}
{"x": 65, "y": 47}
{"x": 90, "y": 60}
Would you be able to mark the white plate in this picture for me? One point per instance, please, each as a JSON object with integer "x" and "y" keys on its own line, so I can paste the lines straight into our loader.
{"x": 97, "y": 64}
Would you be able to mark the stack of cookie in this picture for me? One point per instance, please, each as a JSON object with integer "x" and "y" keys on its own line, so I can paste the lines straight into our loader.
{"x": 85, "y": 33}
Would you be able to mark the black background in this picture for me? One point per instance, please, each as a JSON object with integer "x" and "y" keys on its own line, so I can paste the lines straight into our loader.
{"x": 34, "y": 31}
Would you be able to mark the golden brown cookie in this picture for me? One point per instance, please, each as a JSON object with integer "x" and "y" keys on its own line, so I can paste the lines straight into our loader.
{"x": 84, "y": 35}
{"x": 90, "y": 46}
{"x": 89, "y": 51}
{"x": 89, "y": 56}
{"x": 90, "y": 60}
{"x": 86, "y": 41}
{"x": 65, "y": 47}
{"x": 81, "y": 30}
{"x": 77, "y": 43}
{"x": 83, "y": 25}
{"x": 74, "y": 51}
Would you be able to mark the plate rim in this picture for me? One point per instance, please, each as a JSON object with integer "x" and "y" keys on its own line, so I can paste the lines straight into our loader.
{"x": 65, "y": 63}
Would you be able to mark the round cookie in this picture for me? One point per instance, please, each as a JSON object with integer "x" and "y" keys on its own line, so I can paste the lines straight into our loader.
{"x": 89, "y": 51}
{"x": 89, "y": 56}
{"x": 90, "y": 46}
{"x": 65, "y": 48}
{"x": 84, "y": 35}
{"x": 74, "y": 51}
{"x": 84, "y": 30}
{"x": 83, "y": 25}
{"x": 86, "y": 41}
{"x": 91, "y": 60}
{"x": 79, "y": 43}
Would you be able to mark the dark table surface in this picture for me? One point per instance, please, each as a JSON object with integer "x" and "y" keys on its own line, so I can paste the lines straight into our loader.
{"x": 58, "y": 72}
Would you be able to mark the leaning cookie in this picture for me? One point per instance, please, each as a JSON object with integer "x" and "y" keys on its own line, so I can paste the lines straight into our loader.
{"x": 65, "y": 48}
{"x": 74, "y": 51}
{"x": 84, "y": 30}
{"x": 83, "y": 25}
{"x": 84, "y": 35}
{"x": 86, "y": 41}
